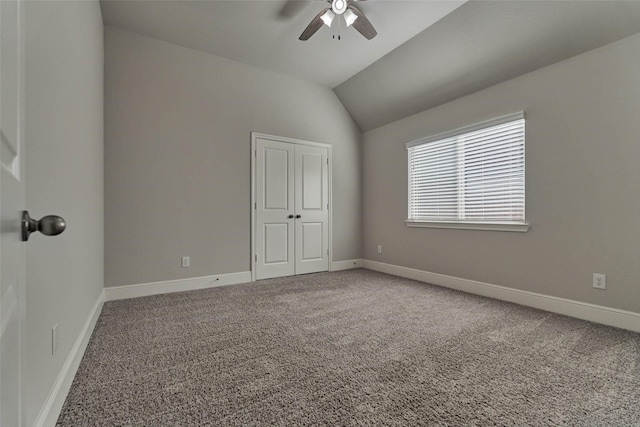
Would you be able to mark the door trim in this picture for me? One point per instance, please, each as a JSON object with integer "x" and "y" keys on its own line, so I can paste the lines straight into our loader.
{"x": 14, "y": 300}
{"x": 254, "y": 142}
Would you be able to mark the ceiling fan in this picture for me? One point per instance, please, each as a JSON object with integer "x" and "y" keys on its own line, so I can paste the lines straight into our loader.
{"x": 351, "y": 14}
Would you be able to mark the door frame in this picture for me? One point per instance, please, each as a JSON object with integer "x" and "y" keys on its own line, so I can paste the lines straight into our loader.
{"x": 252, "y": 206}
{"x": 11, "y": 226}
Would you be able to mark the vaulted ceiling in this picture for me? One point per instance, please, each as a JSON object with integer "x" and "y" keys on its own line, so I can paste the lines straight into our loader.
{"x": 265, "y": 33}
{"x": 426, "y": 52}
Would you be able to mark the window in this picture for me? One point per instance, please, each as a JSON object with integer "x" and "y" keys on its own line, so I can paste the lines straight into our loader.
{"x": 470, "y": 178}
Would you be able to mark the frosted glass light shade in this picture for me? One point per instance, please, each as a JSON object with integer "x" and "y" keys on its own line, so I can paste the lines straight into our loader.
{"x": 350, "y": 17}
{"x": 327, "y": 18}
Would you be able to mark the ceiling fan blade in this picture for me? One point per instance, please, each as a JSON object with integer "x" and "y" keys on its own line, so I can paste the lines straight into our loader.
{"x": 362, "y": 24}
{"x": 313, "y": 26}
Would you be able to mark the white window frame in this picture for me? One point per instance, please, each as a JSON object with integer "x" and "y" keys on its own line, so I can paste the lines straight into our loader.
{"x": 518, "y": 226}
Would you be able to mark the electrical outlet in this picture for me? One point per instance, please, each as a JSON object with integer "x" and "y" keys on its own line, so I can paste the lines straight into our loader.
{"x": 599, "y": 281}
{"x": 379, "y": 249}
{"x": 54, "y": 339}
{"x": 186, "y": 262}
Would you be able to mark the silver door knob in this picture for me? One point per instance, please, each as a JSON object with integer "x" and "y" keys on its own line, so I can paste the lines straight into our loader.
{"x": 50, "y": 225}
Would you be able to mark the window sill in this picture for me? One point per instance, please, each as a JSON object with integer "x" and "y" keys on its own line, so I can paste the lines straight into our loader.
{"x": 495, "y": 226}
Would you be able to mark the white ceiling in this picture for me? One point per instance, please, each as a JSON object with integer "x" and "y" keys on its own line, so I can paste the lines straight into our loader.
{"x": 426, "y": 52}
{"x": 265, "y": 33}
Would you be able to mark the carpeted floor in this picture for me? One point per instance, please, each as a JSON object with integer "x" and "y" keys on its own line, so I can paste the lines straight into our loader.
{"x": 350, "y": 348}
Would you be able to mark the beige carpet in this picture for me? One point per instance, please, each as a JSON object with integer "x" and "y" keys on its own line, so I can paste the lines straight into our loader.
{"x": 350, "y": 348}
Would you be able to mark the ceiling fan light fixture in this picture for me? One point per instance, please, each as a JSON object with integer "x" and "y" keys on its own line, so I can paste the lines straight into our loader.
{"x": 349, "y": 17}
{"x": 353, "y": 17}
{"x": 327, "y": 18}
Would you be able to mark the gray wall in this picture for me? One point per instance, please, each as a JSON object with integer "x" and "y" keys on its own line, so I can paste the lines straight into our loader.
{"x": 177, "y": 157}
{"x": 583, "y": 177}
{"x": 64, "y": 175}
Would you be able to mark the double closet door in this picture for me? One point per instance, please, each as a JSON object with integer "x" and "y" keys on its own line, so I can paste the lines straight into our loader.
{"x": 292, "y": 209}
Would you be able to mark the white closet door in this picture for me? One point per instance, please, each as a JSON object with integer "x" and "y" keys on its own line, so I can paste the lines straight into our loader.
{"x": 312, "y": 209}
{"x": 275, "y": 215}
{"x": 292, "y": 209}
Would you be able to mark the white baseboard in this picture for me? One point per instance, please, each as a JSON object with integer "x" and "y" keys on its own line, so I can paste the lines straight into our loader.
{"x": 155, "y": 288}
{"x": 53, "y": 405}
{"x": 346, "y": 265}
{"x": 581, "y": 310}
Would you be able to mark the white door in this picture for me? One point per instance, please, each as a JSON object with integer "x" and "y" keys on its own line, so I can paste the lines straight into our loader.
{"x": 11, "y": 202}
{"x": 312, "y": 209}
{"x": 275, "y": 210}
{"x": 291, "y": 209}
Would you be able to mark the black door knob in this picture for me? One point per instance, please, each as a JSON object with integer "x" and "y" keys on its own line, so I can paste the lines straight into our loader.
{"x": 291, "y": 216}
{"x": 298, "y": 216}
{"x": 50, "y": 225}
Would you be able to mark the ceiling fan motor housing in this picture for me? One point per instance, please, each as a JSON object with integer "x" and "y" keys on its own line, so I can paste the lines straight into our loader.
{"x": 339, "y": 6}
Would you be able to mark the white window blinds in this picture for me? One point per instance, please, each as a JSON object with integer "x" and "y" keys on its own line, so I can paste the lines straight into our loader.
{"x": 475, "y": 174}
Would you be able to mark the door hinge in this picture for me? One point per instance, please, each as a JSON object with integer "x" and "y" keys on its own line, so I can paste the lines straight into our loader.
{"x": 256, "y": 257}
{"x": 327, "y": 251}
{"x": 255, "y": 205}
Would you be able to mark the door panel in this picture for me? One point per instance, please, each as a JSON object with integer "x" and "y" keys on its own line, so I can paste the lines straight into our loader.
{"x": 311, "y": 201}
{"x": 312, "y": 181}
{"x": 312, "y": 245}
{"x": 11, "y": 203}
{"x": 274, "y": 240}
{"x": 276, "y": 183}
{"x": 276, "y": 243}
